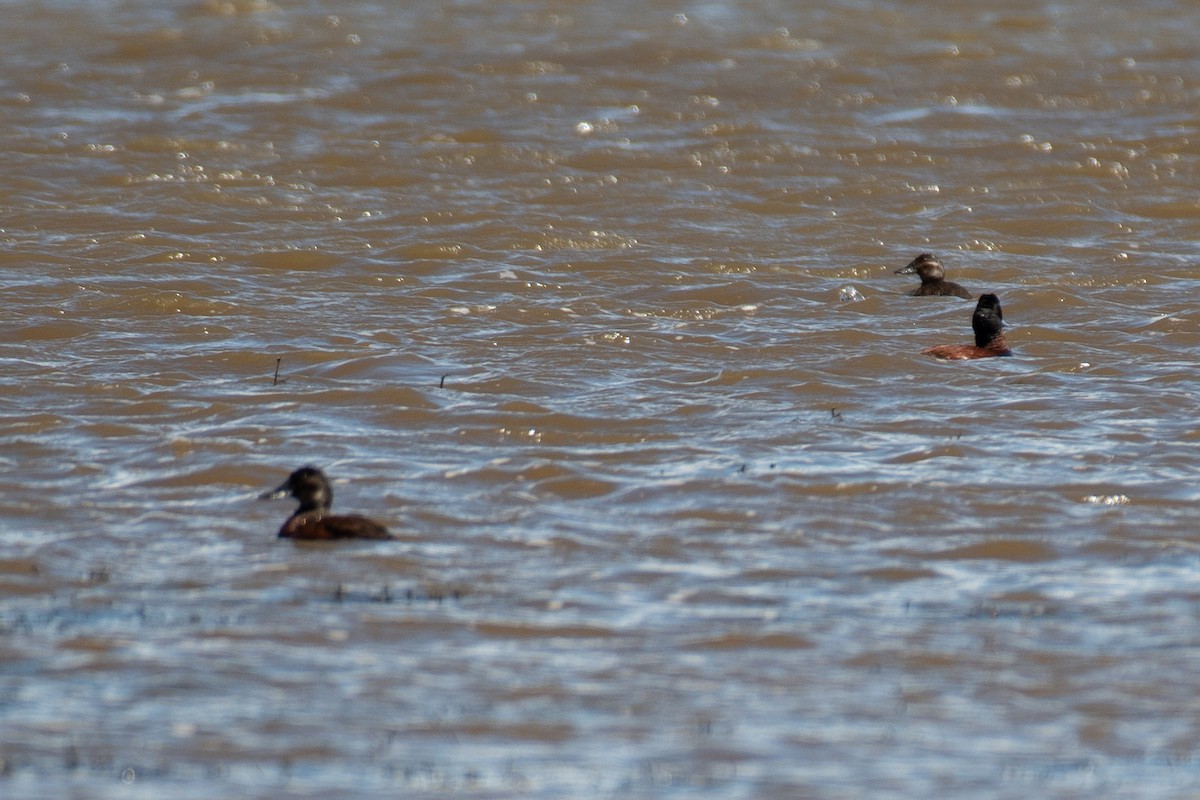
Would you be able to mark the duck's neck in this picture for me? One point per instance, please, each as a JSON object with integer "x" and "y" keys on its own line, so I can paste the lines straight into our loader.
{"x": 996, "y": 345}
{"x": 310, "y": 504}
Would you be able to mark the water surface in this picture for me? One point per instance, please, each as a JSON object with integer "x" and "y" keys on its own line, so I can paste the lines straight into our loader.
{"x": 594, "y": 305}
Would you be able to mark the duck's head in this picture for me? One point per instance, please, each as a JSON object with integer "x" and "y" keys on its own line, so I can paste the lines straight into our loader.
{"x": 308, "y": 485}
{"x": 988, "y": 319}
{"x": 926, "y": 265}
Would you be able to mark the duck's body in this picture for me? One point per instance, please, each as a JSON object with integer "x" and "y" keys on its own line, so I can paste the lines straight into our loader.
{"x": 312, "y": 519}
{"x": 933, "y": 278}
{"x": 988, "y": 324}
{"x": 315, "y": 525}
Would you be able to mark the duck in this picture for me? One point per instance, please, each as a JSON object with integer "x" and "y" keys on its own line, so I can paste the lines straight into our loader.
{"x": 933, "y": 278}
{"x": 988, "y": 324}
{"x": 312, "y": 519}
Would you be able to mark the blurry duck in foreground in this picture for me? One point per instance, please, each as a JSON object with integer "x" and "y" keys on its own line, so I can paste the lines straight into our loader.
{"x": 312, "y": 519}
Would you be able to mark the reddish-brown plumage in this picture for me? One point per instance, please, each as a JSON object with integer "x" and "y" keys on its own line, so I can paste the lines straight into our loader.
{"x": 964, "y": 352}
{"x": 988, "y": 324}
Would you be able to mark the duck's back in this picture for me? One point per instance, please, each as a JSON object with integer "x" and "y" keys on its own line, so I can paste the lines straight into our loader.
{"x": 941, "y": 289}
{"x": 316, "y": 526}
{"x": 967, "y": 352}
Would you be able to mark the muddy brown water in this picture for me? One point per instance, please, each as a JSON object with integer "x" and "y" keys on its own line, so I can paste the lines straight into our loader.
{"x": 593, "y": 304}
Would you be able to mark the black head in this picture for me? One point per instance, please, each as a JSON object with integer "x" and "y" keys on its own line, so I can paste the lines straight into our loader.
{"x": 926, "y": 265}
{"x": 988, "y": 319}
{"x": 308, "y": 485}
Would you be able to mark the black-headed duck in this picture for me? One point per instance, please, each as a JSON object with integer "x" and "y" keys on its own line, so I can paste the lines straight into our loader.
{"x": 988, "y": 324}
{"x": 933, "y": 278}
{"x": 312, "y": 519}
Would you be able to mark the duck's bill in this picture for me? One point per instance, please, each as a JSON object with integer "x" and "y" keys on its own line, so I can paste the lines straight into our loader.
{"x": 275, "y": 494}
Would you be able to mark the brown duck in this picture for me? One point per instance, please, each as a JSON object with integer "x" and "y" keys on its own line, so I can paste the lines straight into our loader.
{"x": 312, "y": 519}
{"x": 933, "y": 278}
{"x": 988, "y": 324}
